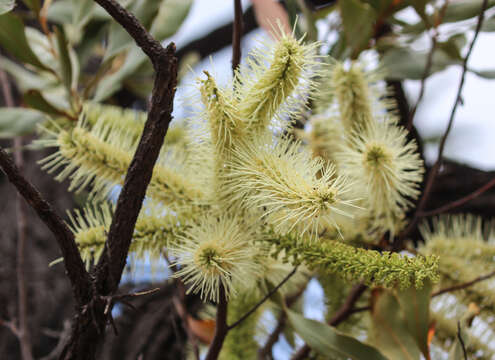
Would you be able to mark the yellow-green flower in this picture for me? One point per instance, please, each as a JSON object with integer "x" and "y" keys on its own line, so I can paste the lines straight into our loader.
{"x": 216, "y": 250}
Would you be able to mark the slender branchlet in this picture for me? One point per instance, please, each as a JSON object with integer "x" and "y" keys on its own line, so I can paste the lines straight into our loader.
{"x": 388, "y": 169}
{"x": 216, "y": 250}
{"x": 240, "y": 342}
{"x": 155, "y": 228}
{"x": 357, "y": 264}
{"x": 101, "y": 155}
{"x": 294, "y": 190}
{"x": 276, "y": 81}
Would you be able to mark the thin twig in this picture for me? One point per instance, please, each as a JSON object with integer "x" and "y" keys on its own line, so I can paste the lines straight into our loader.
{"x": 426, "y": 73}
{"x": 461, "y": 201}
{"x": 24, "y": 335}
{"x": 428, "y": 65}
{"x": 436, "y": 167}
{"x": 131, "y": 24}
{"x": 221, "y": 328}
{"x": 9, "y": 324}
{"x": 281, "y": 323}
{"x": 342, "y": 314}
{"x": 263, "y": 300}
{"x": 237, "y": 35}
{"x": 463, "y": 285}
{"x": 461, "y": 341}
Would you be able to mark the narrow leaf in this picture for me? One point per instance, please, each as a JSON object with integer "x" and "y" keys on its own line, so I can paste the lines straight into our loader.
{"x": 358, "y": 19}
{"x": 464, "y": 9}
{"x": 170, "y": 16}
{"x": 64, "y": 58}
{"x": 6, "y": 6}
{"x": 389, "y": 331}
{"x": 18, "y": 121}
{"x": 326, "y": 340}
{"x": 13, "y": 39}
{"x": 415, "y": 305}
{"x": 35, "y": 99}
{"x": 25, "y": 79}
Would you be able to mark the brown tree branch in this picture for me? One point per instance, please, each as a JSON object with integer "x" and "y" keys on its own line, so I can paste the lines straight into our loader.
{"x": 459, "y": 202}
{"x": 218, "y": 38}
{"x": 463, "y": 285}
{"x": 237, "y": 35}
{"x": 221, "y": 327}
{"x": 112, "y": 263}
{"x": 136, "y": 30}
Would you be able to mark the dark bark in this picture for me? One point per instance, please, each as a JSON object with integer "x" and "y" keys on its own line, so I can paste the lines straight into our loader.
{"x": 76, "y": 272}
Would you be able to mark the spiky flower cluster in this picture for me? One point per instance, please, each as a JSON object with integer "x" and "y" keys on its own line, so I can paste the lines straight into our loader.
{"x": 387, "y": 168}
{"x": 213, "y": 252}
{"x": 466, "y": 245}
{"x": 215, "y": 195}
{"x": 371, "y": 149}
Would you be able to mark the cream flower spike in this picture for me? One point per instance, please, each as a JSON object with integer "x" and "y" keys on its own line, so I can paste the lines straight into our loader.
{"x": 388, "y": 167}
{"x": 223, "y": 118}
{"x": 360, "y": 95}
{"x": 464, "y": 235}
{"x": 294, "y": 190}
{"x": 216, "y": 250}
{"x": 276, "y": 80}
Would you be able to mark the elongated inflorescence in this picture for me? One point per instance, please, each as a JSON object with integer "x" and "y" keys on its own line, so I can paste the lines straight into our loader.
{"x": 287, "y": 185}
{"x": 277, "y": 81}
{"x": 99, "y": 157}
{"x": 374, "y": 268}
{"x": 152, "y": 234}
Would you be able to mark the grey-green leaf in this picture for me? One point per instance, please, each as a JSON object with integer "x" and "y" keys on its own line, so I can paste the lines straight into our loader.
{"x": 13, "y": 39}
{"x": 389, "y": 330}
{"x": 6, "y": 6}
{"x": 487, "y": 74}
{"x": 415, "y": 305}
{"x": 326, "y": 340}
{"x": 170, "y": 16}
{"x": 357, "y": 19}
{"x": 405, "y": 63}
{"x": 464, "y": 9}
{"x": 18, "y": 121}
{"x": 64, "y": 58}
